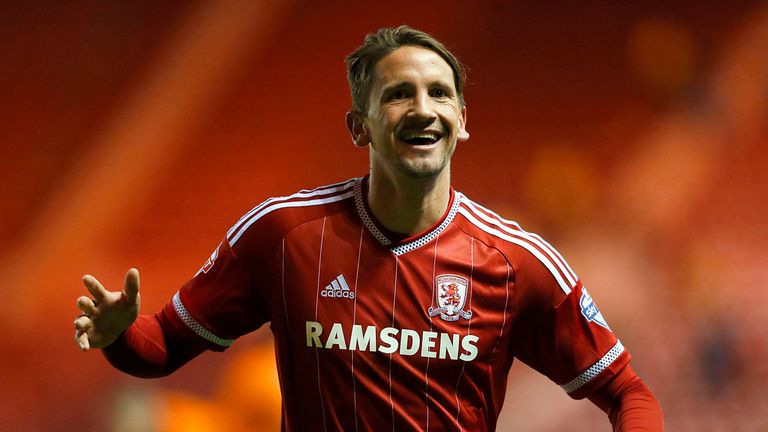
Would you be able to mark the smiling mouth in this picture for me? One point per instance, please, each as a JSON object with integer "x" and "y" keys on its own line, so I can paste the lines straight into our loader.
{"x": 421, "y": 138}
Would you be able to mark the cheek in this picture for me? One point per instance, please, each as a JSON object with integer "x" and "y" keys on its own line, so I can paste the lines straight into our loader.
{"x": 389, "y": 120}
{"x": 451, "y": 118}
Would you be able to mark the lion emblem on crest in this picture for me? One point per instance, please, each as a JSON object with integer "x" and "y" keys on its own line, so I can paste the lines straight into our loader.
{"x": 451, "y": 296}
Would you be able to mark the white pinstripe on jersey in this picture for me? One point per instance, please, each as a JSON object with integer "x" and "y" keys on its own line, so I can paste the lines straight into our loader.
{"x": 504, "y": 315}
{"x": 329, "y": 194}
{"x": 431, "y": 328}
{"x": 469, "y": 327}
{"x": 354, "y": 321}
{"x": 317, "y": 301}
{"x": 394, "y": 303}
{"x": 565, "y": 278}
{"x": 282, "y": 282}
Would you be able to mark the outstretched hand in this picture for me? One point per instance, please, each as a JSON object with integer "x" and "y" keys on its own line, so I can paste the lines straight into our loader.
{"x": 108, "y": 313}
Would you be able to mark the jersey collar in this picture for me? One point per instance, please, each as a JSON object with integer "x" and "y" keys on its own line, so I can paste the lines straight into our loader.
{"x": 390, "y": 240}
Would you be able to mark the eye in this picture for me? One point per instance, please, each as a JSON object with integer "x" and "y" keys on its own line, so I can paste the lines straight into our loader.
{"x": 398, "y": 94}
{"x": 439, "y": 93}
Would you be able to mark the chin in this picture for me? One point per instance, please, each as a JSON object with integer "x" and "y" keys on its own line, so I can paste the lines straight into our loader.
{"x": 423, "y": 171}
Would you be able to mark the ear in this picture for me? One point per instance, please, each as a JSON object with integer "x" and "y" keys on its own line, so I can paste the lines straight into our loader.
{"x": 463, "y": 135}
{"x": 357, "y": 129}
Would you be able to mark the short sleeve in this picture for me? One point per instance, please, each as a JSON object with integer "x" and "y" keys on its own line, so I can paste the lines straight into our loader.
{"x": 561, "y": 333}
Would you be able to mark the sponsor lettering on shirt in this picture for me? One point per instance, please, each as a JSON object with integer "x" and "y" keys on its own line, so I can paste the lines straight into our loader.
{"x": 389, "y": 340}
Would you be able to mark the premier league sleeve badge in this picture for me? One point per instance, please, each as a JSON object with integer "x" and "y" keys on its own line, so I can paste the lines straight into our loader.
{"x": 590, "y": 311}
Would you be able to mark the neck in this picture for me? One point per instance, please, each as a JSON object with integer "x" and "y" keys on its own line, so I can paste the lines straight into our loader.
{"x": 408, "y": 205}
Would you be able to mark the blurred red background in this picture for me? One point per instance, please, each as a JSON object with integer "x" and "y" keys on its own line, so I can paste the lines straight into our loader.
{"x": 633, "y": 136}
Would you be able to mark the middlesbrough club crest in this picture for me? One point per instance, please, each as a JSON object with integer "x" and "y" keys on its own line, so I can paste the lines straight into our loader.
{"x": 451, "y": 296}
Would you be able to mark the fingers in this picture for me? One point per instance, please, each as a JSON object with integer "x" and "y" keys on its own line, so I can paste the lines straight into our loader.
{"x": 82, "y": 340}
{"x": 86, "y": 305}
{"x": 131, "y": 286}
{"x": 103, "y": 302}
{"x": 95, "y": 287}
{"x": 82, "y": 324}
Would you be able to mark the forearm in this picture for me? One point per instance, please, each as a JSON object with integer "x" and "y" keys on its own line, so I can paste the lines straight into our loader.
{"x": 629, "y": 403}
{"x": 140, "y": 350}
{"x": 638, "y": 410}
{"x": 145, "y": 350}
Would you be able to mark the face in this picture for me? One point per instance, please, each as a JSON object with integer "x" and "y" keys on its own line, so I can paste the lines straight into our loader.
{"x": 414, "y": 117}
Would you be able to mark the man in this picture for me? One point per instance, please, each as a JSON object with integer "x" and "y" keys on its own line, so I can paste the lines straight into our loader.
{"x": 396, "y": 302}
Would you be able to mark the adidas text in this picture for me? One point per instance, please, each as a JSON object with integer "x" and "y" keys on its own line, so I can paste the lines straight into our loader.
{"x": 338, "y": 288}
{"x": 339, "y": 293}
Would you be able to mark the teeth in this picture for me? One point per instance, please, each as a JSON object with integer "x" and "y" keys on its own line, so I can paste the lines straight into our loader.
{"x": 430, "y": 136}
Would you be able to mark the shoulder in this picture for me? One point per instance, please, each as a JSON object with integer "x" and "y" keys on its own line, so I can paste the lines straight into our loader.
{"x": 528, "y": 254}
{"x": 278, "y": 215}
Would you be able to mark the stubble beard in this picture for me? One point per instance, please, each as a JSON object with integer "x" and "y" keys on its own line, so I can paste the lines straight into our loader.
{"x": 423, "y": 169}
{"x": 426, "y": 168}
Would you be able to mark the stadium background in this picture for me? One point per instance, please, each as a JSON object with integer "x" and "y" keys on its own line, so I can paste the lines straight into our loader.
{"x": 633, "y": 135}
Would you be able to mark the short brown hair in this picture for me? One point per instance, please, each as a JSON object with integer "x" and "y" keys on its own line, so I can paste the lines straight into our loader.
{"x": 361, "y": 62}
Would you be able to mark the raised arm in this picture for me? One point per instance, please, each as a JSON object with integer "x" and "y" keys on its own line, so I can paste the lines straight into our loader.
{"x": 141, "y": 345}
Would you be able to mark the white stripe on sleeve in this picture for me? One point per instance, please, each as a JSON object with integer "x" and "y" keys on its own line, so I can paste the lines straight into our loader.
{"x": 594, "y": 370}
{"x": 195, "y": 326}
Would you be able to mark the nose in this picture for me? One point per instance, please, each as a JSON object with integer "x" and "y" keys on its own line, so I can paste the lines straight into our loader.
{"x": 422, "y": 109}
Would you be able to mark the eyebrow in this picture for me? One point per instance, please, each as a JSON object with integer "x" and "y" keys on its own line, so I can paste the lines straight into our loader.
{"x": 446, "y": 85}
{"x": 397, "y": 86}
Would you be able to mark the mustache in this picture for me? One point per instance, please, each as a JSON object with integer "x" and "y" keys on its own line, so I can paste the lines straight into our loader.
{"x": 415, "y": 126}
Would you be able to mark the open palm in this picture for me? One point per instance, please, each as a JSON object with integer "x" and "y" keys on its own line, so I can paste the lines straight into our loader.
{"x": 105, "y": 316}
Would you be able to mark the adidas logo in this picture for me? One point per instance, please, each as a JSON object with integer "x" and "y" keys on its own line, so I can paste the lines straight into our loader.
{"x": 338, "y": 288}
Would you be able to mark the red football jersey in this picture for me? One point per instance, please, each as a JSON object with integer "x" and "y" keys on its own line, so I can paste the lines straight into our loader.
{"x": 378, "y": 332}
